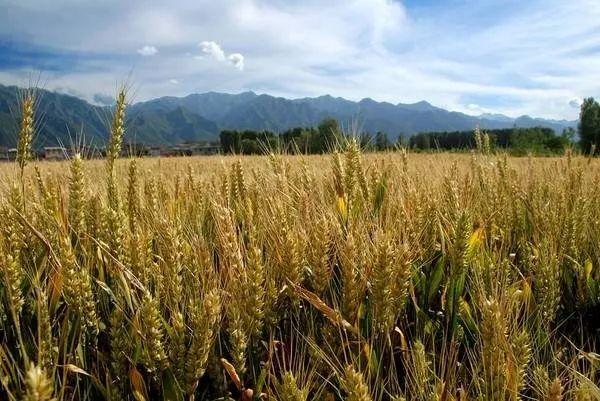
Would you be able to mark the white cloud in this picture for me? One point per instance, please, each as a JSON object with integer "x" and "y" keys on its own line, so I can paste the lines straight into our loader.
{"x": 213, "y": 49}
{"x": 173, "y": 81}
{"x": 237, "y": 60}
{"x": 475, "y": 108}
{"x": 511, "y": 57}
{"x": 147, "y": 50}
{"x": 69, "y": 91}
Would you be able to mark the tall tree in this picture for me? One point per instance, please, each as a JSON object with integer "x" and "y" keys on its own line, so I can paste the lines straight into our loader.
{"x": 382, "y": 142}
{"x": 328, "y": 133}
{"x": 589, "y": 125}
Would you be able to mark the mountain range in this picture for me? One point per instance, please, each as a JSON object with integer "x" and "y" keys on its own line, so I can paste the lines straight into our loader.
{"x": 197, "y": 117}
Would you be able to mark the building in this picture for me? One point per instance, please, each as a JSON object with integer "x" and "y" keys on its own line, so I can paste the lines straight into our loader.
{"x": 134, "y": 149}
{"x": 206, "y": 149}
{"x": 193, "y": 149}
{"x": 155, "y": 151}
{"x": 55, "y": 153}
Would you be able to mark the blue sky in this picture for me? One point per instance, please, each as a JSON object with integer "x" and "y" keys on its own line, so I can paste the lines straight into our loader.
{"x": 536, "y": 57}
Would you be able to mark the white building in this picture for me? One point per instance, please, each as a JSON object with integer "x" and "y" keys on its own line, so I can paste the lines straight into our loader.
{"x": 55, "y": 153}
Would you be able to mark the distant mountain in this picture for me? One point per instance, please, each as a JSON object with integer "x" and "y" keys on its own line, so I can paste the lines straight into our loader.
{"x": 60, "y": 118}
{"x": 263, "y": 112}
{"x": 557, "y": 125}
{"x": 214, "y": 105}
{"x": 168, "y": 126}
{"x": 171, "y": 120}
{"x": 63, "y": 118}
{"x": 496, "y": 117}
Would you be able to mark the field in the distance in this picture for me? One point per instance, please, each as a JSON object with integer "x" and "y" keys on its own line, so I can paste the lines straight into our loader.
{"x": 344, "y": 276}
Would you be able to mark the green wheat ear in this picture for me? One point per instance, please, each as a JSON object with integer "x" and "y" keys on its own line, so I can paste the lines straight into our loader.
{"x": 355, "y": 385}
{"x": 289, "y": 389}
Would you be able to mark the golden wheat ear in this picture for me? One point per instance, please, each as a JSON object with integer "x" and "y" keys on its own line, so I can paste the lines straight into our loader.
{"x": 39, "y": 386}
{"x": 27, "y": 127}
{"x": 555, "y": 391}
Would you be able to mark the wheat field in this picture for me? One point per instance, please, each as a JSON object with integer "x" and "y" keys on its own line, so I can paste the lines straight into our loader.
{"x": 348, "y": 276}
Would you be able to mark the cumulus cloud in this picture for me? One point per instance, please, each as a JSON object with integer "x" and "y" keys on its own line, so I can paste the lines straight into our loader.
{"x": 475, "y": 108}
{"x": 173, "y": 81}
{"x": 147, "y": 50}
{"x": 214, "y": 50}
{"x": 514, "y": 58}
{"x": 237, "y": 60}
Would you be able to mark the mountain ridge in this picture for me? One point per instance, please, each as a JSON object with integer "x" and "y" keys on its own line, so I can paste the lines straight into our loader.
{"x": 170, "y": 120}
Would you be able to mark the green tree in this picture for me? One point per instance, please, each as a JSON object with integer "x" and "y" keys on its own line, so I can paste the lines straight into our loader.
{"x": 231, "y": 141}
{"x": 569, "y": 135}
{"x": 589, "y": 125}
{"x": 250, "y": 147}
{"x": 382, "y": 142}
{"x": 403, "y": 141}
{"x": 328, "y": 133}
{"x": 366, "y": 141}
{"x": 421, "y": 141}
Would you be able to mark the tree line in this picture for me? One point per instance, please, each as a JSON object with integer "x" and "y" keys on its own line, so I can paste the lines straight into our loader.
{"x": 304, "y": 140}
{"x": 307, "y": 140}
{"x": 536, "y": 140}
{"x": 519, "y": 141}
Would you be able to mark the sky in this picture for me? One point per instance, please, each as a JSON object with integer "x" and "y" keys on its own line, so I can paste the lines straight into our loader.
{"x": 516, "y": 57}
